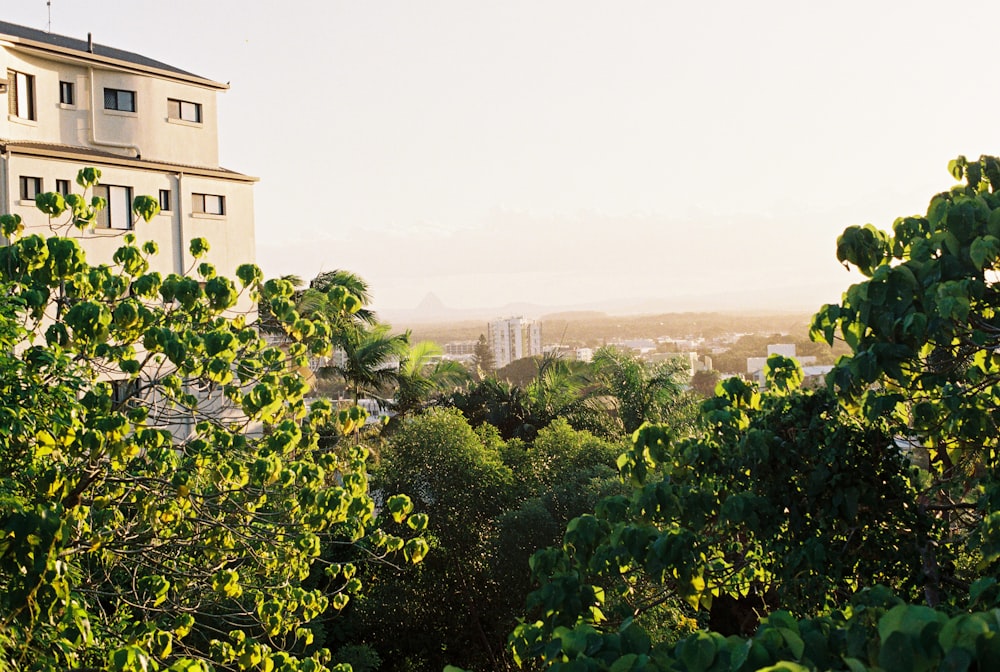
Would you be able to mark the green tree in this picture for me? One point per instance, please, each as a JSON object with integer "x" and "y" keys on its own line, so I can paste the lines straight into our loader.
{"x": 497, "y": 403}
{"x": 785, "y": 501}
{"x": 369, "y": 361}
{"x": 422, "y": 373}
{"x": 329, "y": 287}
{"x": 558, "y": 387}
{"x": 425, "y": 619}
{"x": 485, "y": 362}
{"x": 837, "y": 510}
{"x": 639, "y": 392}
{"x": 704, "y": 382}
{"x": 169, "y": 498}
{"x": 491, "y": 505}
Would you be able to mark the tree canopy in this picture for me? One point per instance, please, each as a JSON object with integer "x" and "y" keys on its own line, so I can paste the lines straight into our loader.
{"x": 860, "y": 520}
{"x": 164, "y": 498}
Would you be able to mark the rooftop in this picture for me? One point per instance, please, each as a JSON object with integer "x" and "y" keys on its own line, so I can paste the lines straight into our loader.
{"x": 39, "y": 39}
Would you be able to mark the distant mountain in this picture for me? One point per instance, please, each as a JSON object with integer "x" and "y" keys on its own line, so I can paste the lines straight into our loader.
{"x": 790, "y": 299}
{"x": 431, "y": 304}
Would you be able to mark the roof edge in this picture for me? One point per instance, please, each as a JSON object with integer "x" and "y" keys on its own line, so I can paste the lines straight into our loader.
{"x": 85, "y": 57}
{"x": 104, "y": 160}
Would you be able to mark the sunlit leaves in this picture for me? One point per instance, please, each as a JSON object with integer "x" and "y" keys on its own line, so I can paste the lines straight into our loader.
{"x": 198, "y": 247}
{"x": 146, "y": 207}
{"x": 51, "y": 203}
{"x": 162, "y": 467}
{"x": 864, "y": 247}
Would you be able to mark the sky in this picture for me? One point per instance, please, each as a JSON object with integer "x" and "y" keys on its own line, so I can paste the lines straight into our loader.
{"x": 575, "y": 152}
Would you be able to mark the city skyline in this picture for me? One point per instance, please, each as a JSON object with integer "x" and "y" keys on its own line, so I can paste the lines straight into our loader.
{"x": 574, "y": 153}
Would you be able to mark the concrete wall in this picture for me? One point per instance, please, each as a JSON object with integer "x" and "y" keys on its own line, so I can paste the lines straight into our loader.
{"x": 230, "y": 236}
{"x": 87, "y": 124}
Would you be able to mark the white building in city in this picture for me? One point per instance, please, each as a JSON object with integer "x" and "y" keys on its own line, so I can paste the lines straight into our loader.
{"x": 513, "y": 338}
{"x": 149, "y": 127}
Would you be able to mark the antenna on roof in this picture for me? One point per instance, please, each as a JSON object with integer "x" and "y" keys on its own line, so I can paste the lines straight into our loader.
{"x": 48, "y": 3}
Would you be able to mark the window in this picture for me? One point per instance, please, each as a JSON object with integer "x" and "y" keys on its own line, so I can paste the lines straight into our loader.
{"x": 182, "y": 109}
{"x": 21, "y": 95}
{"x": 119, "y": 99}
{"x": 30, "y": 187}
{"x": 117, "y": 214}
{"x": 208, "y": 204}
{"x": 66, "y": 96}
{"x": 62, "y": 186}
{"x": 126, "y": 394}
{"x": 165, "y": 200}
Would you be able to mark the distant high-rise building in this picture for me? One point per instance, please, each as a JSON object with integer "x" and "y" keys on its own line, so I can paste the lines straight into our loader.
{"x": 513, "y": 338}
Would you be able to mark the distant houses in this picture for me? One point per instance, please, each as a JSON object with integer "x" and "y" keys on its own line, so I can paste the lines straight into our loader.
{"x": 812, "y": 371}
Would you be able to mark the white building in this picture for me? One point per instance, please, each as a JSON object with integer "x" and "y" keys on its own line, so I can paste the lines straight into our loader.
{"x": 460, "y": 348}
{"x": 149, "y": 127}
{"x": 513, "y": 338}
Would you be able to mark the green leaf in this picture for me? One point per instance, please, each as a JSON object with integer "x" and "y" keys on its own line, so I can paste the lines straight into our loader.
{"x": 88, "y": 177}
{"x": 198, "y": 247}
{"x": 698, "y": 652}
{"x": 415, "y": 550}
{"x": 51, "y": 203}
{"x": 146, "y": 207}
{"x": 957, "y": 167}
{"x": 984, "y": 251}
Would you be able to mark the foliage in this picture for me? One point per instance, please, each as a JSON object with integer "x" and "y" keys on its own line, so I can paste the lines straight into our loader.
{"x": 924, "y": 330}
{"x": 499, "y": 404}
{"x": 336, "y": 284}
{"x": 440, "y": 611}
{"x": 558, "y": 390}
{"x": 752, "y": 513}
{"x": 485, "y": 362}
{"x": 607, "y": 397}
{"x": 169, "y": 498}
{"x": 369, "y": 361}
{"x": 703, "y": 382}
{"x": 422, "y": 375}
{"x": 876, "y": 631}
{"x": 491, "y": 504}
{"x": 639, "y": 392}
{"x": 361, "y": 658}
{"x": 790, "y": 502}
{"x": 520, "y": 372}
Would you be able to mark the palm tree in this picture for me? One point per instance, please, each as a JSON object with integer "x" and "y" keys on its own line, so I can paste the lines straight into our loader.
{"x": 422, "y": 373}
{"x": 317, "y": 296}
{"x": 639, "y": 392}
{"x": 558, "y": 387}
{"x": 498, "y": 403}
{"x": 369, "y": 360}
{"x": 324, "y": 298}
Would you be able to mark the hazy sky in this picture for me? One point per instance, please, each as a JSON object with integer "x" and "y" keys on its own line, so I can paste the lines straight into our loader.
{"x": 570, "y": 151}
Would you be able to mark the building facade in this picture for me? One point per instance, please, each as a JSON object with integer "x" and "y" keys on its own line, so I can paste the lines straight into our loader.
{"x": 150, "y": 128}
{"x": 513, "y": 338}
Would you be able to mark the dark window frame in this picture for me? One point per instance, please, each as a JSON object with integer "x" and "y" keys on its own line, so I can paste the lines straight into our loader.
{"x": 165, "y": 198}
{"x": 67, "y": 93}
{"x": 15, "y": 95}
{"x": 63, "y": 187}
{"x": 200, "y": 204}
{"x": 119, "y": 100}
{"x": 176, "y": 110}
{"x": 115, "y": 211}
{"x": 30, "y": 187}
